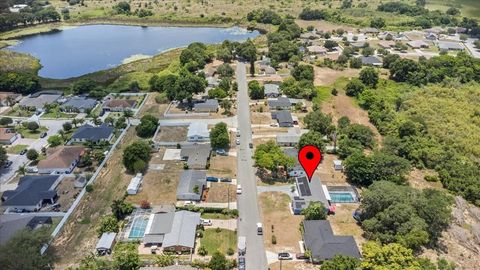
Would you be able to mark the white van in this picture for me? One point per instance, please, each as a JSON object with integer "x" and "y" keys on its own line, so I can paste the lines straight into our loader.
{"x": 242, "y": 245}
{"x": 259, "y": 228}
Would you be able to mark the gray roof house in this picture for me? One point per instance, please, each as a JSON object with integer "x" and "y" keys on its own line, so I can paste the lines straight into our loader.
{"x": 210, "y": 105}
{"x": 12, "y": 223}
{"x": 450, "y": 46}
{"x": 308, "y": 192}
{"x": 281, "y": 103}
{"x": 190, "y": 180}
{"x": 271, "y": 90}
{"x": 196, "y": 155}
{"x": 158, "y": 225}
{"x": 79, "y": 104}
{"x": 371, "y": 61}
{"x": 106, "y": 242}
{"x": 89, "y": 133}
{"x": 32, "y": 192}
{"x": 324, "y": 245}
{"x": 284, "y": 118}
{"x": 37, "y": 102}
{"x": 198, "y": 132}
{"x": 288, "y": 139}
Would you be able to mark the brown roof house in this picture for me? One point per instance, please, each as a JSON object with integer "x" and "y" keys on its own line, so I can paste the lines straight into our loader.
{"x": 9, "y": 98}
{"x": 7, "y": 136}
{"x": 62, "y": 159}
{"x": 118, "y": 105}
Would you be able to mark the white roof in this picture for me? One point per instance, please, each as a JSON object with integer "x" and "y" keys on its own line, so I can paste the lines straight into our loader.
{"x": 198, "y": 129}
{"x": 135, "y": 183}
{"x": 106, "y": 241}
{"x": 337, "y": 162}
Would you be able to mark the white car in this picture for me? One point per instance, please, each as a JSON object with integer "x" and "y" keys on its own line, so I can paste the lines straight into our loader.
{"x": 239, "y": 189}
{"x": 238, "y": 142}
{"x": 206, "y": 222}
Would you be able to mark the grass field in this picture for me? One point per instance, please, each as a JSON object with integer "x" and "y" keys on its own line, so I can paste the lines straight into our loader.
{"x": 218, "y": 239}
{"x": 13, "y": 61}
{"x": 470, "y": 8}
{"x": 15, "y": 149}
{"x": 26, "y": 133}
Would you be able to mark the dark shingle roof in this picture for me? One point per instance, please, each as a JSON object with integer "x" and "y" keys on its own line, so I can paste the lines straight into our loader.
{"x": 208, "y": 104}
{"x": 283, "y": 116}
{"x": 80, "y": 103}
{"x": 31, "y": 190}
{"x": 371, "y": 60}
{"x": 91, "y": 133}
{"x": 324, "y": 245}
{"x": 279, "y": 102}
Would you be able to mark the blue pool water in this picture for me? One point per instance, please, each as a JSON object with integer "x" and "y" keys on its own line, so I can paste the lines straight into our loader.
{"x": 138, "y": 228}
{"x": 342, "y": 197}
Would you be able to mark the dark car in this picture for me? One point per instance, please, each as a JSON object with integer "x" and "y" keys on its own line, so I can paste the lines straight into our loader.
{"x": 23, "y": 152}
{"x": 212, "y": 179}
{"x": 225, "y": 179}
{"x": 241, "y": 263}
{"x": 284, "y": 256}
{"x": 43, "y": 135}
{"x": 8, "y": 163}
{"x": 250, "y": 145}
{"x": 301, "y": 256}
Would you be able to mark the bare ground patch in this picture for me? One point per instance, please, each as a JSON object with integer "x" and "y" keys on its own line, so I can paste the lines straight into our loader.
{"x": 327, "y": 76}
{"x": 344, "y": 224}
{"x": 172, "y": 134}
{"x": 292, "y": 265}
{"x": 153, "y": 108}
{"x": 221, "y": 193}
{"x": 223, "y": 166}
{"x": 258, "y": 118}
{"x": 327, "y": 173}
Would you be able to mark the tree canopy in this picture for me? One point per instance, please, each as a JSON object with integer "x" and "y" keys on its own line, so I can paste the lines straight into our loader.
{"x": 270, "y": 156}
{"x": 147, "y": 127}
{"x": 219, "y": 137}
{"x": 319, "y": 122}
{"x": 315, "y": 211}
{"x": 136, "y": 156}
{"x": 255, "y": 90}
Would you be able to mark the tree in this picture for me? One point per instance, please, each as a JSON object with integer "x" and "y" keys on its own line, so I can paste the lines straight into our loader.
{"x": 33, "y": 126}
{"x": 360, "y": 133}
{"x": 354, "y": 87}
{"x": 22, "y": 83}
{"x": 125, "y": 256}
{"x": 93, "y": 262}
{"x": 340, "y": 262}
{"x": 356, "y": 62}
{"x": 217, "y": 93}
{"x": 347, "y": 146}
{"x": 391, "y": 256}
{"x": 122, "y": 8}
{"x": 164, "y": 260}
{"x": 107, "y": 224}
{"x": 55, "y": 140}
{"x": 202, "y": 251}
{"x": 377, "y": 23}
{"x": 367, "y": 51}
{"x": 32, "y": 154}
{"x": 22, "y": 251}
{"x": 318, "y": 121}
{"x": 369, "y": 77}
{"x": 5, "y": 121}
{"x": 303, "y": 72}
{"x": 121, "y": 209}
{"x": 270, "y": 156}
{"x": 225, "y": 70}
{"x": 248, "y": 51}
{"x": 312, "y": 138}
{"x": 137, "y": 151}
{"x": 315, "y": 211}
{"x": 389, "y": 59}
{"x": 83, "y": 86}
{"x": 147, "y": 127}
{"x": 218, "y": 262}
{"x": 162, "y": 83}
{"x": 256, "y": 90}
{"x": 452, "y": 11}
{"x": 226, "y": 105}
{"x": 219, "y": 137}
{"x": 330, "y": 44}
{"x": 3, "y": 156}
{"x": 67, "y": 126}
{"x": 343, "y": 122}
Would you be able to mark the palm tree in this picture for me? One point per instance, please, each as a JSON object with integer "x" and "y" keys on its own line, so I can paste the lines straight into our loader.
{"x": 128, "y": 113}
{"x": 22, "y": 170}
{"x": 9, "y": 101}
{"x": 75, "y": 122}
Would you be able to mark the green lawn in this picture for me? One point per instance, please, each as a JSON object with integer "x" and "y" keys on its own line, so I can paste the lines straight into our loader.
{"x": 323, "y": 94}
{"x": 215, "y": 216}
{"x": 26, "y": 133}
{"x": 16, "y": 111}
{"x": 221, "y": 240}
{"x": 58, "y": 114}
{"x": 15, "y": 149}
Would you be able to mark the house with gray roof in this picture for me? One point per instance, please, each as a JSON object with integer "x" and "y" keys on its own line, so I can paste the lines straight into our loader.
{"x": 158, "y": 225}
{"x": 284, "y": 118}
{"x": 417, "y": 44}
{"x": 281, "y": 103}
{"x": 196, "y": 155}
{"x": 324, "y": 245}
{"x": 371, "y": 61}
{"x": 13, "y": 223}
{"x": 32, "y": 192}
{"x": 191, "y": 185}
{"x": 89, "y": 133}
{"x": 210, "y": 105}
{"x": 37, "y": 102}
{"x": 450, "y": 46}
{"x": 288, "y": 140}
{"x": 182, "y": 236}
{"x": 105, "y": 244}
{"x": 309, "y": 191}
{"x": 271, "y": 90}
{"x": 198, "y": 132}
{"x": 79, "y": 104}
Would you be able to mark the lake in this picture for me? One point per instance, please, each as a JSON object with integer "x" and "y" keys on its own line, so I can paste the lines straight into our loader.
{"x": 80, "y": 50}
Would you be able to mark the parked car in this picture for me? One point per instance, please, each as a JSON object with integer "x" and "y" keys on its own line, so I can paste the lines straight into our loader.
{"x": 239, "y": 189}
{"x": 43, "y": 135}
{"x": 206, "y": 222}
{"x": 8, "y": 163}
{"x": 238, "y": 142}
{"x": 241, "y": 263}
{"x": 285, "y": 256}
{"x": 250, "y": 145}
{"x": 212, "y": 179}
{"x": 23, "y": 152}
{"x": 225, "y": 179}
{"x": 238, "y": 133}
{"x": 259, "y": 229}
{"x": 274, "y": 125}
{"x": 301, "y": 256}
{"x": 32, "y": 170}
{"x": 221, "y": 152}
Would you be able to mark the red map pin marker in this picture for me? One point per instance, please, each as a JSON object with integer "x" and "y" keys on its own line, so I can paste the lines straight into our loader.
{"x": 309, "y": 157}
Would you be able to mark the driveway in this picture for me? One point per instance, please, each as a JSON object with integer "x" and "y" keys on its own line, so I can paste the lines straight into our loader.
{"x": 7, "y": 173}
{"x": 247, "y": 201}
{"x": 230, "y": 121}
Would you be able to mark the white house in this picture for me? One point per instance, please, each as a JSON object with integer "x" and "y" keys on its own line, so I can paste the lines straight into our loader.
{"x": 198, "y": 132}
{"x": 134, "y": 185}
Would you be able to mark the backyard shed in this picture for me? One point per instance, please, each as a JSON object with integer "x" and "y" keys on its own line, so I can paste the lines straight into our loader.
{"x": 134, "y": 184}
{"x": 337, "y": 165}
{"x": 105, "y": 244}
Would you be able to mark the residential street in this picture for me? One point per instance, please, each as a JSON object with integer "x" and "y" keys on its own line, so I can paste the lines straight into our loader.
{"x": 247, "y": 201}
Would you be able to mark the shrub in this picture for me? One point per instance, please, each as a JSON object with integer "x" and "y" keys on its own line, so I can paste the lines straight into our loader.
{"x": 431, "y": 178}
{"x": 230, "y": 251}
{"x": 274, "y": 239}
{"x": 202, "y": 251}
{"x": 89, "y": 188}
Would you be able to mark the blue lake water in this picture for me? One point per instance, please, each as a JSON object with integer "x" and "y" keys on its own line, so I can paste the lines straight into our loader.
{"x": 84, "y": 49}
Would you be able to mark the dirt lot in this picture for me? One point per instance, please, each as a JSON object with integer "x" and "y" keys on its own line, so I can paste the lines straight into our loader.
{"x": 67, "y": 193}
{"x": 327, "y": 76}
{"x": 344, "y": 224}
{"x": 159, "y": 187}
{"x": 329, "y": 176}
{"x": 276, "y": 212}
{"x": 218, "y": 193}
{"x": 153, "y": 108}
{"x": 223, "y": 166}
{"x": 172, "y": 134}
{"x": 416, "y": 180}
{"x": 291, "y": 265}
{"x": 258, "y": 118}
{"x": 79, "y": 236}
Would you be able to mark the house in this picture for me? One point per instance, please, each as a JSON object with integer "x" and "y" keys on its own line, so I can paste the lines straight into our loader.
{"x": 198, "y": 132}
{"x": 369, "y": 30}
{"x": 61, "y": 159}
{"x": 212, "y": 82}
{"x": 210, "y": 105}
{"x": 359, "y": 45}
{"x": 173, "y": 231}
{"x": 450, "y": 46}
{"x": 417, "y": 44}
{"x": 400, "y": 37}
{"x": 134, "y": 184}
{"x": 387, "y": 44}
{"x": 268, "y": 70}
{"x": 118, "y": 105}
{"x": 32, "y": 192}
{"x": 315, "y": 49}
{"x": 288, "y": 140}
{"x": 79, "y": 104}
{"x": 271, "y": 90}
{"x": 297, "y": 170}
{"x": 191, "y": 185}
{"x": 351, "y": 37}
{"x": 337, "y": 165}
{"x": 281, "y": 103}
{"x": 12, "y": 223}
{"x": 89, "y": 133}
{"x": 7, "y": 136}
{"x": 9, "y": 98}
{"x": 310, "y": 191}
{"x": 431, "y": 36}
{"x": 17, "y": 8}
{"x": 105, "y": 244}
{"x": 371, "y": 61}
{"x": 196, "y": 155}
{"x": 265, "y": 61}
{"x": 284, "y": 118}
{"x": 385, "y": 35}
{"x": 324, "y": 245}
{"x": 37, "y": 101}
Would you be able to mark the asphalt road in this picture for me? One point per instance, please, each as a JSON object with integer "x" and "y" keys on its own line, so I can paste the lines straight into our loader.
{"x": 247, "y": 202}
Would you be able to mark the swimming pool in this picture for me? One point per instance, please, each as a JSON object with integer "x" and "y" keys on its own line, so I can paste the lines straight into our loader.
{"x": 342, "y": 197}
{"x": 138, "y": 228}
